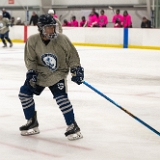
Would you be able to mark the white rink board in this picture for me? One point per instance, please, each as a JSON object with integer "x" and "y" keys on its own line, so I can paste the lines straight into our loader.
{"x": 138, "y": 37}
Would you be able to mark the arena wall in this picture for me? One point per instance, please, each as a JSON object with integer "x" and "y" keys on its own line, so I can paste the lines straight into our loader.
{"x": 103, "y": 37}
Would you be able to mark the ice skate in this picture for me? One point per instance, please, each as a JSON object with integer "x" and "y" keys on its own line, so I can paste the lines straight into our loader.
{"x": 4, "y": 46}
{"x": 73, "y": 132}
{"x": 11, "y": 44}
{"x": 31, "y": 127}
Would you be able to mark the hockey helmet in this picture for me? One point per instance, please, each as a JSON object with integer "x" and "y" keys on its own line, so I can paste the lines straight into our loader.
{"x": 45, "y": 21}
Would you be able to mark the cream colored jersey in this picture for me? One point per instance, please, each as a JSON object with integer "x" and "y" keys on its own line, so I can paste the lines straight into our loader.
{"x": 51, "y": 61}
{"x": 3, "y": 25}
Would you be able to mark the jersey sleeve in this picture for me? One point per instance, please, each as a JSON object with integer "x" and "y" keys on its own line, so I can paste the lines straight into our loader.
{"x": 72, "y": 54}
{"x": 30, "y": 57}
{"x": 6, "y": 22}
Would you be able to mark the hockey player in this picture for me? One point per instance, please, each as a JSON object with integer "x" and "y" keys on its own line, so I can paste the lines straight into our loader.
{"x": 4, "y": 30}
{"x": 48, "y": 57}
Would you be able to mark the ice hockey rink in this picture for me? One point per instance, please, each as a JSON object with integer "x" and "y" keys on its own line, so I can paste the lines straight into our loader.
{"x": 130, "y": 77}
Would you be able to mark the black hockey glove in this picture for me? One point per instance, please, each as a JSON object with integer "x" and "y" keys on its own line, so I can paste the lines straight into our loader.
{"x": 31, "y": 78}
{"x": 77, "y": 75}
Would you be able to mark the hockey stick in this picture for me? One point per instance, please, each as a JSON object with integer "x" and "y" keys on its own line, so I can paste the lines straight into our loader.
{"x": 133, "y": 116}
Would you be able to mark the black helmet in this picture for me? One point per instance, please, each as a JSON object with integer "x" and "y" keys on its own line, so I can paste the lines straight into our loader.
{"x": 47, "y": 20}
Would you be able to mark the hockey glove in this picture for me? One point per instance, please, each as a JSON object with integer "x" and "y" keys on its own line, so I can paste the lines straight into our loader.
{"x": 77, "y": 75}
{"x": 31, "y": 78}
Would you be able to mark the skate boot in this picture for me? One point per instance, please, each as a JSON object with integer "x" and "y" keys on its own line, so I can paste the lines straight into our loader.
{"x": 31, "y": 127}
{"x": 11, "y": 44}
{"x": 5, "y": 45}
{"x": 73, "y": 132}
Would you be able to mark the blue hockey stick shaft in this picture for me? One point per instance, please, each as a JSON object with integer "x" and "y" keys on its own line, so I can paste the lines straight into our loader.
{"x": 133, "y": 116}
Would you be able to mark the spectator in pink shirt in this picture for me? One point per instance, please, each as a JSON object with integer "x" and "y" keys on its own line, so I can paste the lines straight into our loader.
{"x": 66, "y": 23}
{"x": 92, "y": 20}
{"x": 59, "y": 26}
{"x": 94, "y": 11}
{"x": 117, "y": 17}
{"x": 103, "y": 19}
{"x": 52, "y": 12}
{"x": 127, "y": 22}
{"x": 83, "y": 21}
{"x": 55, "y": 16}
{"x": 74, "y": 22}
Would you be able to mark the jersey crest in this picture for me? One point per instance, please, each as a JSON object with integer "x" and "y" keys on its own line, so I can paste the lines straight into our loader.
{"x": 49, "y": 60}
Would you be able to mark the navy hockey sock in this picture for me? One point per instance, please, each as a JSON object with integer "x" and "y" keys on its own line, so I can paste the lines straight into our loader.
{"x": 27, "y": 101}
{"x": 66, "y": 108}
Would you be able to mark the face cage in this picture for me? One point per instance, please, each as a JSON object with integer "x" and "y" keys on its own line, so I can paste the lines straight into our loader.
{"x": 47, "y": 35}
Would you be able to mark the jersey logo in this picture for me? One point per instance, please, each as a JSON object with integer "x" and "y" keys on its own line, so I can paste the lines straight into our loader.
{"x": 60, "y": 86}
{"x": 49, "y": 60}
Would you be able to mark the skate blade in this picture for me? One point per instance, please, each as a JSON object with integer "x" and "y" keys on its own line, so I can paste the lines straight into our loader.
{"x": 30, "y": 132}
{"x": 75, "y": 136}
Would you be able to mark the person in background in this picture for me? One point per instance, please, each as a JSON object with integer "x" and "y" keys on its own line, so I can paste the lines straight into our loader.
{"x": 117, "y": 18}
{"x": 6, "y": 14}
{"x": 12, "y": 21}
{"x": 94, "y": 11}
{"x": 66, "y": 23}
{"x": 92, "y": 20}
{"x": 74, "y": 22}
{"x": 127, "y": 21}
{"x": 59, "y": 28}
{"x": 145, "y": 23}
{"x": 102, "y": 20}
{"x": 4, "y": 30}
{"x": 34, "y": 19}
{"x": 54, "y": 15}
{"x": 49, "y": 57}
{"x": 18, "y": 21}
{"x": 83, "y": 21}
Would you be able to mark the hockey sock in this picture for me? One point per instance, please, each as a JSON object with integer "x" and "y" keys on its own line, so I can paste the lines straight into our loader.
{"x": 27, "y": 101}
{"x": 4, "y": 42}
{"x": 66, "y": 108}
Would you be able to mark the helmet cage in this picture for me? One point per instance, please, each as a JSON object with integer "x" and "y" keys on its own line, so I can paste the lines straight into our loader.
{"x": 49, "y": 35}
{"x": 44, "y": 21}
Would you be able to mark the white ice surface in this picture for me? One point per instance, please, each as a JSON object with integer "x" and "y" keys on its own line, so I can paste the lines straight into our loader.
{"x": 130, "y": 77}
